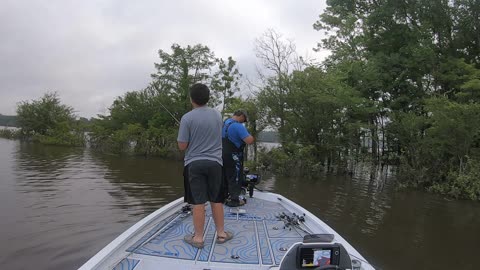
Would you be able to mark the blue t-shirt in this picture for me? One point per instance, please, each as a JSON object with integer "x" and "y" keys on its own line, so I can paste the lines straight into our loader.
{"x": 236, "y": 132}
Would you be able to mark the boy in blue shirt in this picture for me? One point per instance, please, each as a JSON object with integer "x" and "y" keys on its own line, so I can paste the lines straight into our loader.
{"x": 234, "y": 138}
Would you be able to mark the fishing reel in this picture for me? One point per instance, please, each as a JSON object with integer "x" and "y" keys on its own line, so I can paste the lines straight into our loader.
{"x": 250, "y": 181}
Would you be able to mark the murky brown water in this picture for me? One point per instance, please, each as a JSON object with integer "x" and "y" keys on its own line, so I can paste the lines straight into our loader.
{"x": 59, "y": 206}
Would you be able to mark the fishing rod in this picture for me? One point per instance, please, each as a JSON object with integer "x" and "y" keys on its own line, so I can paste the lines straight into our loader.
{"x": 174, "y": 118}
{"x": 292, "y": 221}
{"x": 155, "y": 87}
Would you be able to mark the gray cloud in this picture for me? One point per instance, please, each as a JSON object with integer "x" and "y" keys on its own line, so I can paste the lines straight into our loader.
{"x": 93, "y": 51}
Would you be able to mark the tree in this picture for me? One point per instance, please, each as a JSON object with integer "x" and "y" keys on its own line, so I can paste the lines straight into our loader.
{"x": 181, "y": 68}
{"x": 225, "y": 82}
{"x": 137, "y": 118}
{"x": 417, "y": 65}
{"x": 144, "y": 122}
{"x": 326, "y": 114}
{"x": 278, "y": 56}
{"x": 40, "y": 116}
{"x": 466, "y": 14}
{"x": 49, "y": 121}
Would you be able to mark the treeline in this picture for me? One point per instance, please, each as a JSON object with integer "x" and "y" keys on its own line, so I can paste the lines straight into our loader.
{"x": 142, "y": 122}
{"x": 8, "y": 120}
{"x": 146, "y": 122}
{"x": 401, "y": 86}
{"x": 47, "y": 121}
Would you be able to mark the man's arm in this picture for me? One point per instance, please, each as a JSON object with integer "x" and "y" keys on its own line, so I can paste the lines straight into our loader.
{"x": 249, "y": 139}
{"x": 242, "y": 132}
{"x": 183, "y": 135}
{"x": 182, "y": 145}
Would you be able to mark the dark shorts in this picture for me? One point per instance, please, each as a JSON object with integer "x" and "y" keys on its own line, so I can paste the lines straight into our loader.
{"x": 203, "y": 182}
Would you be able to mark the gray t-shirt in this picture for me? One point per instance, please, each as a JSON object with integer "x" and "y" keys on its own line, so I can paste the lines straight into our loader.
{"x": 202, "y": 129}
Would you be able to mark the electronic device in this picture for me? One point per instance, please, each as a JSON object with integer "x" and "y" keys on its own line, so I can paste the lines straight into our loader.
{"x": 316, "y": 256}
{"x": 313, "y": 257}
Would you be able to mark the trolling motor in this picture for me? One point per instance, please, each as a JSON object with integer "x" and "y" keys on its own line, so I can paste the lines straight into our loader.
{"x": 250, "y": 181}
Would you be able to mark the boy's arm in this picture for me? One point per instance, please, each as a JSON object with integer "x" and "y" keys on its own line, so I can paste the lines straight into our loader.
{"x": 182, "y": 145}
{"x": 183, "y": 135}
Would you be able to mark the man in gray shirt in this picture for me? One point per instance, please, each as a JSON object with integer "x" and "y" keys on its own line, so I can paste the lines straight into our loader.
{"x": 200, "y": 134}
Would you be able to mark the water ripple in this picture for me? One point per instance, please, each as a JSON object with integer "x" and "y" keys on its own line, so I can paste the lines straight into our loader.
{"x": 58, "y": 206}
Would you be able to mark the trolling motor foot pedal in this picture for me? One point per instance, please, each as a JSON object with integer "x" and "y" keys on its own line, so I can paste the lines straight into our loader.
{"x": 237, "y": 211}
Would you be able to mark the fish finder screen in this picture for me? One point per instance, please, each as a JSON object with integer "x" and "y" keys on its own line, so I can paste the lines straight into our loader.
{"x": 316, "y": 257}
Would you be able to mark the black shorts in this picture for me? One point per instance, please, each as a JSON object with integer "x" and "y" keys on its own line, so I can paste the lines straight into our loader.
{"x": 203, "y": 182}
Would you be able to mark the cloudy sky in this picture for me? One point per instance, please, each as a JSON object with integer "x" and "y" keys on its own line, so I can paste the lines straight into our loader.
{"x": 93, "y": 51}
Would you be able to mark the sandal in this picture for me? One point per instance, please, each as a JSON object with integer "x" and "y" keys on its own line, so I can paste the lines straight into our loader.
{"x": 189, "y": 240}
{"x": 223, "y": 239}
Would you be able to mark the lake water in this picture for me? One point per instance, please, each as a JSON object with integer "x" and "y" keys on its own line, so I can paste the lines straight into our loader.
{"x": 59, "y": 206}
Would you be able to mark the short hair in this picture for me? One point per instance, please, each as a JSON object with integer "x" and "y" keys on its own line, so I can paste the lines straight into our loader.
{"x": 199, "y": 93}
{"x": 240, "y": 113}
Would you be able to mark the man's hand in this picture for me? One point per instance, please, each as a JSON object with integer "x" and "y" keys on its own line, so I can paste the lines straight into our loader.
{"x": 249, "y": 139}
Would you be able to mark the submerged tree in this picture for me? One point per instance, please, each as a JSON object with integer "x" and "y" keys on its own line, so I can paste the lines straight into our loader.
{"x": 49, "y": 121}
{"x": 413, "y": 61}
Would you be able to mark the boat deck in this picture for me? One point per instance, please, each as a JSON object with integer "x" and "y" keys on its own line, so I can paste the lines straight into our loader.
{"x": 260, "y": 240}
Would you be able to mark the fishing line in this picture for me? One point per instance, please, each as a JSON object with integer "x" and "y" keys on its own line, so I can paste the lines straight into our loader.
{"x": 154, "y": 86}
{"x": 169, "y": 113}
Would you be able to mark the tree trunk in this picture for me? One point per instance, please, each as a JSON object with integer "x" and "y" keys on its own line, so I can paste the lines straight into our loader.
{"x": 374, "y": 138}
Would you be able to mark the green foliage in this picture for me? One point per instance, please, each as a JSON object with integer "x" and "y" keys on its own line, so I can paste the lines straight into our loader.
{"x": 225, "y": 83}
{"x": 291, "y": 160}
{"x": 118, "y": 133}
{"x": 416, "y": 65}
{"x": 463, "y": 185}
{"x": 438, "y": 150}
{"x": 145, "y": 122}
{"x": 454, "y": 127}
{"x": 9, "y": 133}
{"x": 402, "y": 83}
{"x": 40, "y": 116}
{"x": 274, "y": 160}
{"x": 62, "y": 135}
{"x": 323, "y": 111}
{"x": 181, "y": 68}
{"x": 48, "y": 121}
